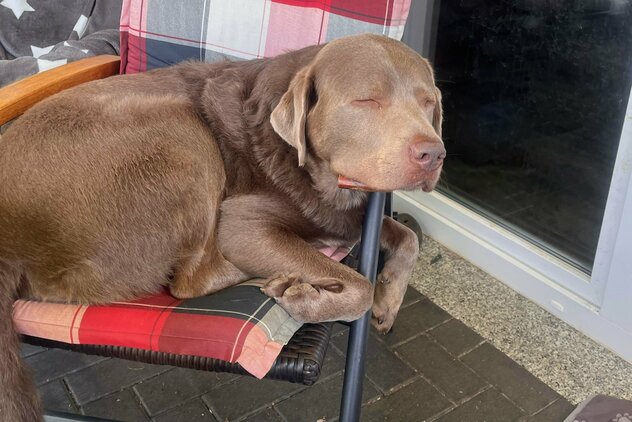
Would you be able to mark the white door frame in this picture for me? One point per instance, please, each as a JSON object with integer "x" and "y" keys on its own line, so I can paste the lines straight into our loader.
{"x": 613, "y": 263}
{"x": 598, "y": 305}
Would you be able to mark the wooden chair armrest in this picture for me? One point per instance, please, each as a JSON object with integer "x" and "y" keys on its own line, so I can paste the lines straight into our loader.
{"x": 17, "y": 97}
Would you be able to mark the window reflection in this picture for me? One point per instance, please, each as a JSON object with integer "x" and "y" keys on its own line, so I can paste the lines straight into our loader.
{"x": 535, "y": 94}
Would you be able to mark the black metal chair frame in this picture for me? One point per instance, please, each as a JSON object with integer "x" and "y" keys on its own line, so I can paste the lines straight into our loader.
{"x": 350, "y": 406}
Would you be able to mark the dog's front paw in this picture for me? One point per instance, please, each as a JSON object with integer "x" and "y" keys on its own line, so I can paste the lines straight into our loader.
{"x": 296, "y": 301}
{"x": 396, "y": 271}
{"x": 276, "y": 285}
{"x": 390, "y": 287}
{"x": 297, "y": 293}
{"x": 383, "y": 317}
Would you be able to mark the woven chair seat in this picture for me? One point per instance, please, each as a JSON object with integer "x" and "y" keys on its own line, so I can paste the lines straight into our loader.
{"x": 300, "y": 361}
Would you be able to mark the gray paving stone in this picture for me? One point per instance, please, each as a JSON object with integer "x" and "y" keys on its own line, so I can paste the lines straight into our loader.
{"x": 245, "y": 395}
{"x": 176, "y": 387}
{"x": 29, "y": 349}
{"x": 488, "y": 406}
{"x": 121, "y": 406}
{"x": 192, "y": 411}
{"x": 413, "y": 320}
{"x": 268, "y": 415}
{"x": 411, "y": 296}
{"x": 441, "y": 368}
{"x": 55, "y": 397}
{"x": 320, "y": 401}
{"x": 109, "y": 376}
{"x": 556, "y": 412}
{"x": 383, "y": 367}
{"x": 415, "y": 402}
{"x": 456, "y": 337}
{"x": 513, "y": 380}
{"x": 334, "y": 362}
{"x": 339, "y": 328}
{"x": 54, "y": 363}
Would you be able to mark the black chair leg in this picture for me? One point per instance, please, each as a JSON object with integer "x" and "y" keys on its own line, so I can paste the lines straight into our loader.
{"x": 356, "y": 349}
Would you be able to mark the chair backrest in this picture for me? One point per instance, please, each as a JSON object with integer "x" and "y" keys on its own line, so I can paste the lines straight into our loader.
{"x": 158, "y": 33}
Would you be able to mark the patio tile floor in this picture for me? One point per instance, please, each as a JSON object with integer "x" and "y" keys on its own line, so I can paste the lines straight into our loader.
{"x": 431, "y": 367}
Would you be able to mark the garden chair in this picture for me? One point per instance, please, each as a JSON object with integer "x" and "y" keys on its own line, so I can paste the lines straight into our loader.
{"x": 163, "y": 32}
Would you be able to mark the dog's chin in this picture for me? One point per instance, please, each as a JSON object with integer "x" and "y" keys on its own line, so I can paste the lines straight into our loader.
{"x": 426, "y": 182}
{"x": 425, "y": 185}
{"x": 428, "y": 186}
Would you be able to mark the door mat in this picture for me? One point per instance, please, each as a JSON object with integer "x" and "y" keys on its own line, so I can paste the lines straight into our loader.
{"x": 600, "y": 408}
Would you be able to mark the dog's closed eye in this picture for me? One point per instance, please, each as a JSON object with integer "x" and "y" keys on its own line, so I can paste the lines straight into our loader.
{"x": 367, "y": 102}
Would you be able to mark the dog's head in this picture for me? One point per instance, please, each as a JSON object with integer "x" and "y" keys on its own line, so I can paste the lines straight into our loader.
{"x": 368, "y": 106}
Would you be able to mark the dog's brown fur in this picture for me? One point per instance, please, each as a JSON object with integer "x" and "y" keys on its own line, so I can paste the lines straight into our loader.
{"x": 214, "y": 174}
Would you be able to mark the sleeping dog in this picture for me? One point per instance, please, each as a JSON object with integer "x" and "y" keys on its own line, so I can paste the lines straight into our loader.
{"x": 200, "y": 176}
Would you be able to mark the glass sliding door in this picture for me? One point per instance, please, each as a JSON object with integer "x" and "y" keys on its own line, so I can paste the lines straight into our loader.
{"x": 534, "y": 95}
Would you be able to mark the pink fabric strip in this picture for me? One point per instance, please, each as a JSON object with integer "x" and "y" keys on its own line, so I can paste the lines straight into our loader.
{"x": 258, "y": 353}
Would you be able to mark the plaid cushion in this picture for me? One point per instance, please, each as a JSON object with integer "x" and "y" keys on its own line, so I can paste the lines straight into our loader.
{"x": 239, "y": 324}
{"x": 157, "y": 33}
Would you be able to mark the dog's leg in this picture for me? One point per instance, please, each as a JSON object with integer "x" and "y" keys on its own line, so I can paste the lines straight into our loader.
{"x": 203, "y": 269}
{"x": 204, "y": 272}
{"x": 19, "y": 401}
{"x": 260, "y": 238}
{"x": 401, "y": 246}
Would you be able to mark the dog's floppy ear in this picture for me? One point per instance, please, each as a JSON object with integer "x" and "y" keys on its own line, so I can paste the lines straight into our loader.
{"x": 289, "y": 116}
{"x": 437, "y": 114}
